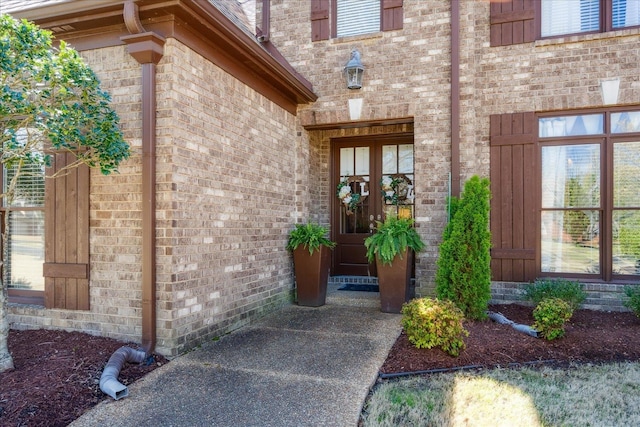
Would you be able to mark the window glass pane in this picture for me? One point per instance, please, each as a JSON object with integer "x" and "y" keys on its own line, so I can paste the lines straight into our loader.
{"x": 626, "y": 13}
{"x": 626, "y": 174}
{"x": 347, "y": 166}
{"x": 570, "y": 242}
{"x": 26, "y": 250}
{"x": 626, "y": 122}
{"x": 571, "y": 176}
{"x": 405, "y": 165}
{"x": 569, "y": 16}
{"x": 626, "y": 242}
{"x": 29, "y": 190}
{"x": 362, "y": 160}
{"x": 586, "y": 124}
{"x": 357, "y": 17}
{"x": 389, "y": 159}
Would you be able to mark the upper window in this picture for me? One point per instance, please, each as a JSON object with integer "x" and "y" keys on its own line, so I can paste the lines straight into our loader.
{"x": 559, "y": 17}
{"x": 342, "y": 18}
{"x": 514, "y": 21}
{"x": 355, "y": 17}
{"x": 590, "y": 203}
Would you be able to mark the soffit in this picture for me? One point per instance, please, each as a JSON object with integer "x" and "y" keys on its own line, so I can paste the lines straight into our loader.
{"x": 208, "y": 29}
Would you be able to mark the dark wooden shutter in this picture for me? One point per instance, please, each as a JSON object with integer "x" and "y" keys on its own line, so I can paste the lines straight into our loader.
{"x": 320, "y": 29}
{"x": 66, "y": 268}
{"x": 512, "y": 22}
{"x": 391, "y": 15}
{"x": 513, "y": 202}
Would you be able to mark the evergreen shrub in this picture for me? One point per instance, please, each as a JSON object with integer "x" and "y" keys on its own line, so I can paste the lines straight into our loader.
{"x": 633, "y": 303}
{"x": 571, "y": 292}
{"x": 464, "y": 265}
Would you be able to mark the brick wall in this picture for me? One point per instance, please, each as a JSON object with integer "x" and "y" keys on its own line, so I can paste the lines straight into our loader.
{"x": 408, "y": 75}
{"x": 231, "y": 176}
{"x": 115, "y": 222}
{"x": 227, "y": 161}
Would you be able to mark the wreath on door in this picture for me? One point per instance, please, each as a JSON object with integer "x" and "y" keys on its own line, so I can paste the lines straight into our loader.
{"x": 347, "y": 195}
{"x": 396, "y": 189}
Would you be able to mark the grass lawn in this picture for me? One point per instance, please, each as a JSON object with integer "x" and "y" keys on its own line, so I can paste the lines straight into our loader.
{"x": 595, "y": 395}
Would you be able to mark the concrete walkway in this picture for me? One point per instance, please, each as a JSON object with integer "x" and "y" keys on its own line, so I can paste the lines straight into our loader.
{"x": 298, "y": 367}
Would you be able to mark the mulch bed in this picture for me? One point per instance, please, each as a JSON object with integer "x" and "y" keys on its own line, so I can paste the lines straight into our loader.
{"x": 591, "y": 336}
{"x": 57, "y": 376}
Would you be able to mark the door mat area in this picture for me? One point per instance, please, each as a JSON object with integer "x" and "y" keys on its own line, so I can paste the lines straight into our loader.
{"x": 359, "y": 287}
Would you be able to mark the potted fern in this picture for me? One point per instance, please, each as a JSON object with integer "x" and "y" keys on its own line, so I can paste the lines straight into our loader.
{"x": 392, "y": 246}
{"x": 310, "y": 246}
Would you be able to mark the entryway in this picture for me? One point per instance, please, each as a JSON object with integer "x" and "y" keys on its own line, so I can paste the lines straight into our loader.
{"x": 373, "y": 176}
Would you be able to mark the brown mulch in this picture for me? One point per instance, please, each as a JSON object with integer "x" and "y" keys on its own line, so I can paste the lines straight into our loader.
{"x": 57, "y": 376}
{"x": 591, "y": 337}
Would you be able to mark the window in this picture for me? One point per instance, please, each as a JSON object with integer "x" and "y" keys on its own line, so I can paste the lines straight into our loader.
{"x": 514, "y": 21}
{"x": 342, "y": 18}
{"x": 560, "y": 17}
{"x": 48, "y": 230}
{"x": 25, "y": 245}
{"x": 24, "y": 211}
{"x": 590, "y": 195}
{"x": 355, "y": 17}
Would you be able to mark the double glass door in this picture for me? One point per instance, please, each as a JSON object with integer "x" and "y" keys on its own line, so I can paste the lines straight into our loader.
{"x": 373, "y": 178}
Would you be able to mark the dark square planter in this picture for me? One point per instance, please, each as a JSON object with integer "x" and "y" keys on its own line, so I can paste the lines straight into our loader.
{"x": 394, "y": 281}
{"x": 312, "y": 274}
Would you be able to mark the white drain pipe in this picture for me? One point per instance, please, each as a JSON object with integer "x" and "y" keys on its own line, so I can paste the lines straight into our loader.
{"x": 109, "y": 383}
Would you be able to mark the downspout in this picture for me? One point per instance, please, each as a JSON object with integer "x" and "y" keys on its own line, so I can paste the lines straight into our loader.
{"x": 264, "y": 32}
{"x": 455, "y": 98}
{"x": 147, "y": 48}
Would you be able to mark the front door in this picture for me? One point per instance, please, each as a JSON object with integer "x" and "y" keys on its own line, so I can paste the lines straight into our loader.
{"x": 372, "y": 177}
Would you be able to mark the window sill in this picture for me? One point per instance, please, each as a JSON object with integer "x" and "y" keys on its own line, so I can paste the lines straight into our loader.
{"x": 579, "y": 38}
{"x": 359, "y": 37}
{"x": 22, "y": 297}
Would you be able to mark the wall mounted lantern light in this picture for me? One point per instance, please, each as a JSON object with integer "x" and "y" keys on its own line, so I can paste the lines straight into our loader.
{"x": 354, "y": 70}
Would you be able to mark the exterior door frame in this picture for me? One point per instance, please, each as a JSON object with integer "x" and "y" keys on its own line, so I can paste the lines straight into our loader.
{"x": 375, "y": 142}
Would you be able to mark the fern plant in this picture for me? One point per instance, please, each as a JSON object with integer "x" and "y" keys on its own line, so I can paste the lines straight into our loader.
{"x": 310, "y": 235}
{"x": 392, "y": 238}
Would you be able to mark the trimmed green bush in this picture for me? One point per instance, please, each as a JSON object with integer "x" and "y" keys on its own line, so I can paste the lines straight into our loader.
{"x": 432, "y": 323}
{"x": 571, "y": 292}
{"x": 633, "y": 303}
{"x": 551, "y": 315}
{"x": 464, "y": 264}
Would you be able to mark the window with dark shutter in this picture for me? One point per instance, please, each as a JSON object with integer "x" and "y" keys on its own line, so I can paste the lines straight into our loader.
{"x": 512, "y": 22}
{"x": 513, "y": 203}
{"x": 320, "y": 29}
{"x": 343, "y": 18}
{"x": 66, "y": 268}
{"x": 392, "y": 16}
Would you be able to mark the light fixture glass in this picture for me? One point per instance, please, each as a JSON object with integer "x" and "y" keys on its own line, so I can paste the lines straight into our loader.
{"x": 354, "y": 71}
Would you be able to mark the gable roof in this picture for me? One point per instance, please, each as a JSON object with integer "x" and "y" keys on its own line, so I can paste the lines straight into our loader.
{"x": 217, "y": 29}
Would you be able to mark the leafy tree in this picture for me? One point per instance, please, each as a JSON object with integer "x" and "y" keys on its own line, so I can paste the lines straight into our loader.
{"x": 50, "y": 100}
{"x": 464, "y": 266}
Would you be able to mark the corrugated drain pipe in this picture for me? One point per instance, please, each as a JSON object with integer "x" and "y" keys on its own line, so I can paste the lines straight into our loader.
{"x": 147, "y": 48}
{"x": 109, "y": 383}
